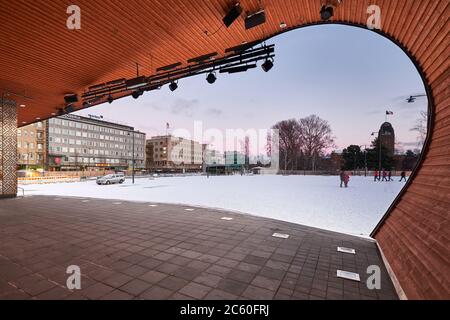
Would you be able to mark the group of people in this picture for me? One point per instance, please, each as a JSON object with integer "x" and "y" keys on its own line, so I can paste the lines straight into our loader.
{"x": 387, "y": 176}
{"x": 378, "y": 176}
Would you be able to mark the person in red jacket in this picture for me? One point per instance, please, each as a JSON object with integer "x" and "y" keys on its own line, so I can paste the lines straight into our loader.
{"x": 384, "y": 176}
{"x": 346, "y": 179}
{"x": 375, "y": 175}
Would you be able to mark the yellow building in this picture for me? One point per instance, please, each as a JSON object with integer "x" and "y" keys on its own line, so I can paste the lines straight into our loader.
{"x": 31, "y": 146}
{"x": 173, "y": 154}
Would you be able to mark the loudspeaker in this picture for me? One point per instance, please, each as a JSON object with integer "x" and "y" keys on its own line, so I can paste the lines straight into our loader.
{"x": 70, "y": 98}
{"x": 232, "y": 15}
{"x": 255, "y": 19}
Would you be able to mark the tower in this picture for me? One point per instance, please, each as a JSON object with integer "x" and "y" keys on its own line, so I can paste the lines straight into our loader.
{"x": 387, "y": 137}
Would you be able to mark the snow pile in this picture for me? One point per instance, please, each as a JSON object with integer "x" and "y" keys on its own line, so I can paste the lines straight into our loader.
{"x": 309, "y": 200}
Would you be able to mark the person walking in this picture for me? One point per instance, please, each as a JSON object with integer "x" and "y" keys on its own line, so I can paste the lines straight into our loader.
{"x": 384, "y": 176}
{"x": 390, "y": 176}
{"x": 403, "y": 176}
{"x": 342, "y": 176}
{"x": 346, "y": 179}
{"x": 375, "y": 176}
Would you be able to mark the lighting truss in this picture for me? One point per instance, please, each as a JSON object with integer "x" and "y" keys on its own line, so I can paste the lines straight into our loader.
{"x": 239, "y": 59}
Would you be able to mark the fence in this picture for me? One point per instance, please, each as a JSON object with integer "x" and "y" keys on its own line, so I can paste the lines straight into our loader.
{"x": 334, "y": 173}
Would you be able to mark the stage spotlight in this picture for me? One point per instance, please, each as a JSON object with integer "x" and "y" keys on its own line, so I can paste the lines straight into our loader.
{"x": 232, "y": 15}
{"x": 326, "y": 12}
{"x": 136, "y": 94}
{"x": 110, "y": 99}
{"x": 69, "y": 108}
{"x": 267, "y": 65}
{"x": 70, "y": 98}
{"x": 211, "y": 78}
{"x": 173, "y": 86}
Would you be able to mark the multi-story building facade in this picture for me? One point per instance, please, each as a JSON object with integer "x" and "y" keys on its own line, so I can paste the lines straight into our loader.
{"x": 234, "y": 158}
{"x": 214, "y": 157}
{"x": 31, "y": 148}
{"x": 173, "y": 154}
{"x": 75, "y": 142}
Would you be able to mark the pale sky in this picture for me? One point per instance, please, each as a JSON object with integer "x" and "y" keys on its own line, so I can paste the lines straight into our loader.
{"x": 346, "y": 75}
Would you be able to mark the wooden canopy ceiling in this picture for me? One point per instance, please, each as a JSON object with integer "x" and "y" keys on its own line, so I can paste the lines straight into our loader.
{"x": 42, "y": 60}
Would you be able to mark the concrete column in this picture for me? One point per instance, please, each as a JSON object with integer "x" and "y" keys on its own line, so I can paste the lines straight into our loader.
{"x": 8, "y": 148}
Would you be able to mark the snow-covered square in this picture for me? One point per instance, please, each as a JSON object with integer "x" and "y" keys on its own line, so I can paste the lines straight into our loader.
{"x": 316, "y": 201}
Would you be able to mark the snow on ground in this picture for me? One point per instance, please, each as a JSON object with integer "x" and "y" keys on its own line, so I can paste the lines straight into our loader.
{"x": 309, "y": 200}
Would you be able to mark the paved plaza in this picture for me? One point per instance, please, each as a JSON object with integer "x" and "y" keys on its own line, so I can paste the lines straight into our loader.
{"x": 141, "y": 250}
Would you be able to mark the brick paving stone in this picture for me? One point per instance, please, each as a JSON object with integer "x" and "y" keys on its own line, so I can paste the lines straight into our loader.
{"x": 195, "y": 290}
{"x": 241, "y": 276}
{"x": 153, "y": 277}
{"x": 135, "y": 287}
{"x": 208, "y": 279}
{"x": 232, "y": 286}
{"x": 156, "y": 293}
{"x": 117, "y": 295}
{"x": 218, "y": 294}
{"x": 266, "y": 283}
{"x": 117, "y": 280}
{"x": 256, "y": 293}
{"x": 173, "y": 283}
{"x": 97, "y": 291}
{"x": 157, "y": 252}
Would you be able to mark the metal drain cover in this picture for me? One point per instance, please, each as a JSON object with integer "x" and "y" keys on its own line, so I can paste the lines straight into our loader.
{"x": 348, "y": 275}
{"x": 280, "y": 235}
{"x": 346, "y": 250}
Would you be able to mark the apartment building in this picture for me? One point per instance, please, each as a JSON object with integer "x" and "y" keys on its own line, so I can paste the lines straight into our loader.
{"x": 173, "y": 154}
{"x": 31, "y": 148}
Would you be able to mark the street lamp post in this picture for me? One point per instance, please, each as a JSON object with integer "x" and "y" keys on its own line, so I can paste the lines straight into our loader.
{"x": 365, "y": 159}
{"x": 132, "y": 165}
{"x": 379, "y": 150}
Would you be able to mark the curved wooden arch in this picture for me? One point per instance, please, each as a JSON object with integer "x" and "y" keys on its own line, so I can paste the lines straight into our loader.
{"x": 41, "y": 59}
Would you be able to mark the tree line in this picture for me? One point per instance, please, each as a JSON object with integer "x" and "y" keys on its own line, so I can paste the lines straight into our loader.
{"x": 303, "y": 142}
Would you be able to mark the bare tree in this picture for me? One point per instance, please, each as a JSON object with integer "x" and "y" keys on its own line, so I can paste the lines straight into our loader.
{"x": 316, "y": 137}
{"x": 421, "y": 127}
{"x": 290, "y": 141}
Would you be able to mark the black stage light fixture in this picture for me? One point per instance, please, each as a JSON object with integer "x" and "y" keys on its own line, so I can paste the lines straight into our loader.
{"x": 69, "y": 108}
{"x": 232, "y": 15}
{"x": 267, "y": 65}
{"x": 238, "y": 68}
{"x": 136, "y": 82}
{"x": 169, "y": 67}
{"x": 110, "y": 99}
{"x": 326, "y": 12}
{"x": 255, "y": 19}
{"x": 71, "y": 98}
{"x": 136, "y": 94}
{"x": 211, "y": 78}
{"x": 173, "y": 86}
{"x": 203, "y": 58}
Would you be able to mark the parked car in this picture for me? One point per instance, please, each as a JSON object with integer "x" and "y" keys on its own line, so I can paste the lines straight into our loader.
{"x": 111, "y": 178}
